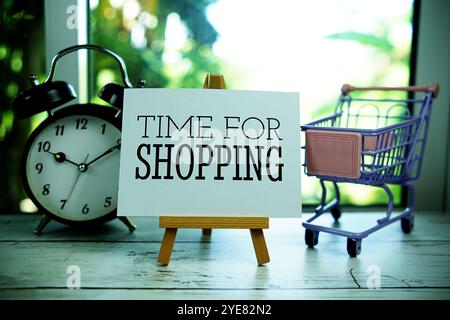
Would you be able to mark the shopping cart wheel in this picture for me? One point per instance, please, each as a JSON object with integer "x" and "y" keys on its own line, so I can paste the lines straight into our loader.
{"x": 311, "y": 238}
{"x": 407, "y": 224}
{"x": 336, "y": 213}
{"x": 353, "y": 247}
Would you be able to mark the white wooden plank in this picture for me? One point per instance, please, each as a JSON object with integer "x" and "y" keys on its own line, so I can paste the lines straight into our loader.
{"x": 229, "y": 265}
{"x": 276, "y": 294}
{"x": 428, "y": 226}
{"x": 115, "y": 264}
{"x": 221, "y": 265}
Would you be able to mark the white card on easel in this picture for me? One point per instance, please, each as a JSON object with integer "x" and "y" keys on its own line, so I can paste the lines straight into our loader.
{"x": 197, "y": 152}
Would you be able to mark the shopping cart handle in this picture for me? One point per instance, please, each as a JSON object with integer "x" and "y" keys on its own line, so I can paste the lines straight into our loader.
{"x": 431, "y": 87}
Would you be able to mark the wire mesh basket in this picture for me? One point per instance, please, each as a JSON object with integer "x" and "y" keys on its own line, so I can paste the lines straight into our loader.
{"x": 370, "y": 141}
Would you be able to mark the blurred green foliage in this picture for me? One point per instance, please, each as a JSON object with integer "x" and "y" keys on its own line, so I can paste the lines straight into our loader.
{"x": 21, "y": 53}
{"x": 113, "y": 28}
{"x": 137, "y": 31}
{"x": 14, "y": 21}
{"x": 382, "y": 43}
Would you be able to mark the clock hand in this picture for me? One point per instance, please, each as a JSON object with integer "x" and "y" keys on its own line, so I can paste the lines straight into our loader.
{"x": 61, "y": 157}
{"x": 76, "y": 179}
{"x": 103, "y": 154}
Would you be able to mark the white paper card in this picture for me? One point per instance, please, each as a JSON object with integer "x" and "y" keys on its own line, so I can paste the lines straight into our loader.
{"x": 207, "y": 152}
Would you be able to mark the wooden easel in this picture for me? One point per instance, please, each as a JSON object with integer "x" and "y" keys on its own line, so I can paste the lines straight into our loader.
{"x": 255, "y": 224}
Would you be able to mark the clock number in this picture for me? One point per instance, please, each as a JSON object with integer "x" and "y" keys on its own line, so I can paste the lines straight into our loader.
{"x": 59, "y": 130}
{"x": 81, "y": 124}
{"x": 103, "y": 128}
{"x": 39, "y": 166}
{"x": 46, "y": 189}
{"x": 107, "y": 202}
{"x": 85, "y": 209}
{"x": 118, "y": 142}
{"x": 63, "y": 203}
{"x": 44, "y": 146}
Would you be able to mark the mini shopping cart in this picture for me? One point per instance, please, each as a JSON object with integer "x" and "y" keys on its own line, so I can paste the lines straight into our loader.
{"x": 372, "y": 142}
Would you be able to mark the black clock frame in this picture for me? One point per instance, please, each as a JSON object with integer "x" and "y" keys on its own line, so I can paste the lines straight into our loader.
{"x": 51, "y": 95}
{"x": 103, "y": 112}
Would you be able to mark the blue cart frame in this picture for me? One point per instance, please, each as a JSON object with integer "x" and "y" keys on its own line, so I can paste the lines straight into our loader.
{"x": 396, "y": 159}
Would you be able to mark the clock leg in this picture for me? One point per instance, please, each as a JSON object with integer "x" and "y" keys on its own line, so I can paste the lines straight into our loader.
{"x": 44, "y": 221}
{"x": 127, "y": 221}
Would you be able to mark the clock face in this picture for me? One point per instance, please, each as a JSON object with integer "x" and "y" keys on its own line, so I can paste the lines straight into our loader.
{"x": 72, "y": 165}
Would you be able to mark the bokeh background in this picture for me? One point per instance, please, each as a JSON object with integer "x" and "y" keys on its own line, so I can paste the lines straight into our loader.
{"x": 311, "y": 47}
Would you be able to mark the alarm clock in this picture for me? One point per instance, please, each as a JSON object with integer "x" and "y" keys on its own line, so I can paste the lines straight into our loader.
{"x": 70, "y": 162}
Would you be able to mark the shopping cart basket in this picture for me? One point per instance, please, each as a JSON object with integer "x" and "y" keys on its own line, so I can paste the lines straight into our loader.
{"x": 372, "y": 142}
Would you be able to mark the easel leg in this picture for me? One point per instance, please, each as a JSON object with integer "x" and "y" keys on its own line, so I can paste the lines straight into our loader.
{"x": 259, "y": 243}
{"x": 127, "y": 221}
{"x": 167, "y": 245}
{"x": 42, "y": 224}
{"x": 206, "y": 231}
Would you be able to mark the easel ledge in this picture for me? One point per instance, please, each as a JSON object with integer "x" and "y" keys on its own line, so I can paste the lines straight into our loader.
{"x": 256, "y": 226}
{"x": 214, "y": 222}
{"x": 173, "y": 223}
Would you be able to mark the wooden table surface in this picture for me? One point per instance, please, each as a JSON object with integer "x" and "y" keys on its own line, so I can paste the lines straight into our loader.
{"x": 117, "y": 265}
